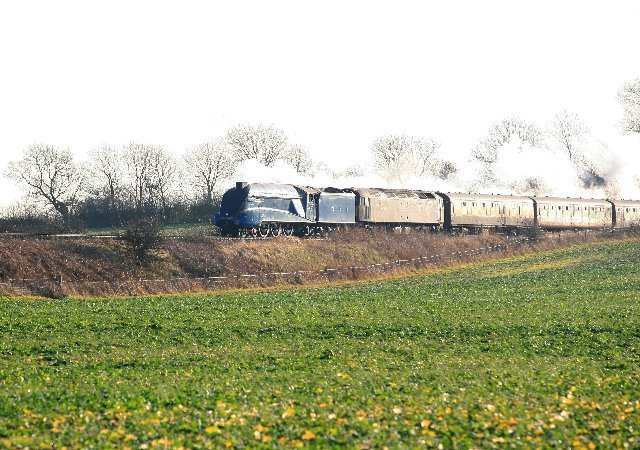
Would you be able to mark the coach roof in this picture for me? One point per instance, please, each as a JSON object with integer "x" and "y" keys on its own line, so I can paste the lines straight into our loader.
{"x": 572, "y": 200}
{"x": 487, "y": 197}
{"x": 626, "y": 203}
{"x": 393, "y": 193}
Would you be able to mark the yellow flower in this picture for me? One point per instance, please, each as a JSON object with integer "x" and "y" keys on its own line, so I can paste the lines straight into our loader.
{"x": 212, "y": 429}
{"x": 308, "y": 435}
{"x": 289, "y": 412}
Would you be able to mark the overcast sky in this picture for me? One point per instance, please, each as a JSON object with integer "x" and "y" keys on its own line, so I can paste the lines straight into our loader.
{"x": 332, "y": 74}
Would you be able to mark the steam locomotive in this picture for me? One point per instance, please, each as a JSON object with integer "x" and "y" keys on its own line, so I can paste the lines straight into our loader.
{"x": 263, "y": 209}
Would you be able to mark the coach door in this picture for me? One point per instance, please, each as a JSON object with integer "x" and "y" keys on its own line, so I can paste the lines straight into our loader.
{"x": 311, "y": 207}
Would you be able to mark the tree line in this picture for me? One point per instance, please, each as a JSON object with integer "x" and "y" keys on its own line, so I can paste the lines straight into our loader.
{"x": 121, "y": 183}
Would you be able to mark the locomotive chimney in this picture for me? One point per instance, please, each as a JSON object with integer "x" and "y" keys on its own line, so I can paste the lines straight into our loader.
{"x": 241, "y": 184}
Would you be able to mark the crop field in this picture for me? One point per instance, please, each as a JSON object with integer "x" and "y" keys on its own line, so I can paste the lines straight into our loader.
{"x": 529, "y": 351}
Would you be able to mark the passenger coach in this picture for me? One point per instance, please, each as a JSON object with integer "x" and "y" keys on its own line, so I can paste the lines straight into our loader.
{"x": 626, "y": 213}
{"x": 473, "y": 211}
{"x": 573, "y": 213}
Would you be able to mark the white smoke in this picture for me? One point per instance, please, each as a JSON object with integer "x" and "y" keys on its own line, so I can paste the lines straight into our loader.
{"x": 519, "y": 169}
{"x": 625, "y": 152}
{"x": 322, "y": 175}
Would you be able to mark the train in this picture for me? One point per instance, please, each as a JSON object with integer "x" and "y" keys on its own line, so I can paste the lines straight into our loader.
{"x": 269, "y": 209}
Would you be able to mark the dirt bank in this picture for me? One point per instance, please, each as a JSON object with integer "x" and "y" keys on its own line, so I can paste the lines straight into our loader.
{"x": 92, "y": 266}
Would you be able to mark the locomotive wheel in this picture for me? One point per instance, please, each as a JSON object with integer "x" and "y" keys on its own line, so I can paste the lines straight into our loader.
{"x": 253, "y": 232}
{"x": 264, "y": 232}
{"x": 288, "y": 230}
{"x": 275, "y": 230}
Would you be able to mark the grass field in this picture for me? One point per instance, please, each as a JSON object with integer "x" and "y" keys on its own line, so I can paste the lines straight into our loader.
{"x": 537, "y": 350}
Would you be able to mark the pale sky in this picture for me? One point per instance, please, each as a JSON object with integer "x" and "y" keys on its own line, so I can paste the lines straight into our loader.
{"x": 332, "y": 74}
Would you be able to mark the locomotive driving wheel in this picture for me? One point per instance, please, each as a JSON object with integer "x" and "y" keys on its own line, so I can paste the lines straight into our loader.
{"x": 263, "y": 232}
{"x": 287, "y": 230}
{"x": 275, "y": 230}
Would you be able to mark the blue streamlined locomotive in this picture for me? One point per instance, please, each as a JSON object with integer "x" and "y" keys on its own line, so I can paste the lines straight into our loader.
{"x": 262, "y": 209}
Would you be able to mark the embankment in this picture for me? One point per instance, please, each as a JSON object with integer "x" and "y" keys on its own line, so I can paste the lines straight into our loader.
{"x": 93, "y": 266}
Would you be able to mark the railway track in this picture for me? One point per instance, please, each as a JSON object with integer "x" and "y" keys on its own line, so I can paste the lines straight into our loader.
{"x": 81, "y": 236}
{"x": 84, "y": 236}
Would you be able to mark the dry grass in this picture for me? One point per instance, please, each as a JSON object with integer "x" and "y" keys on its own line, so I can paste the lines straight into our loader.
{"x": 103, "y": 268}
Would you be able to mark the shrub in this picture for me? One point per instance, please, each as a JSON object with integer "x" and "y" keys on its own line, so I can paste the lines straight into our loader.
{"x": 142, "y": 236}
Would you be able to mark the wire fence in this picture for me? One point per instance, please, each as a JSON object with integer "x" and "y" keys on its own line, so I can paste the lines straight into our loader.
{"x": 60, "y": 287}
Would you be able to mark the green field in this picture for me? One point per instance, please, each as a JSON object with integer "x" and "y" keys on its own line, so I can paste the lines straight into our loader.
{"x": 534, "y": 350}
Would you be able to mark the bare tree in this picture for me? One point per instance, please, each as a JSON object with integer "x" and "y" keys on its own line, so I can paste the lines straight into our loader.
{"x": 391, "y": 151}
{"x": 400, "y": 155}
{"x": 569, "y": 131}
{"x": 424, "y": 153}
{"x": 444, "y": 169}
{"x": 266, "y": 144}
{"x": 137, "y": 159}
{"x": 353, "y": 171}
{"x": 162, "y": 177}
{"x": 151, "y": 173}
{"x": 208, "y": 164}
{"x": 629, "y": 97}
{"x": 590, "y": 157}
{"x": 299, "y": 159}
{"x": 503, "y": 132}
{"x": 50, "y": 174}
{"x": 106, "y": 168}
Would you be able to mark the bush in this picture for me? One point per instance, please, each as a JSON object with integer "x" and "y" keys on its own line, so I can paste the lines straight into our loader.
{"x": 142, "y": 236}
